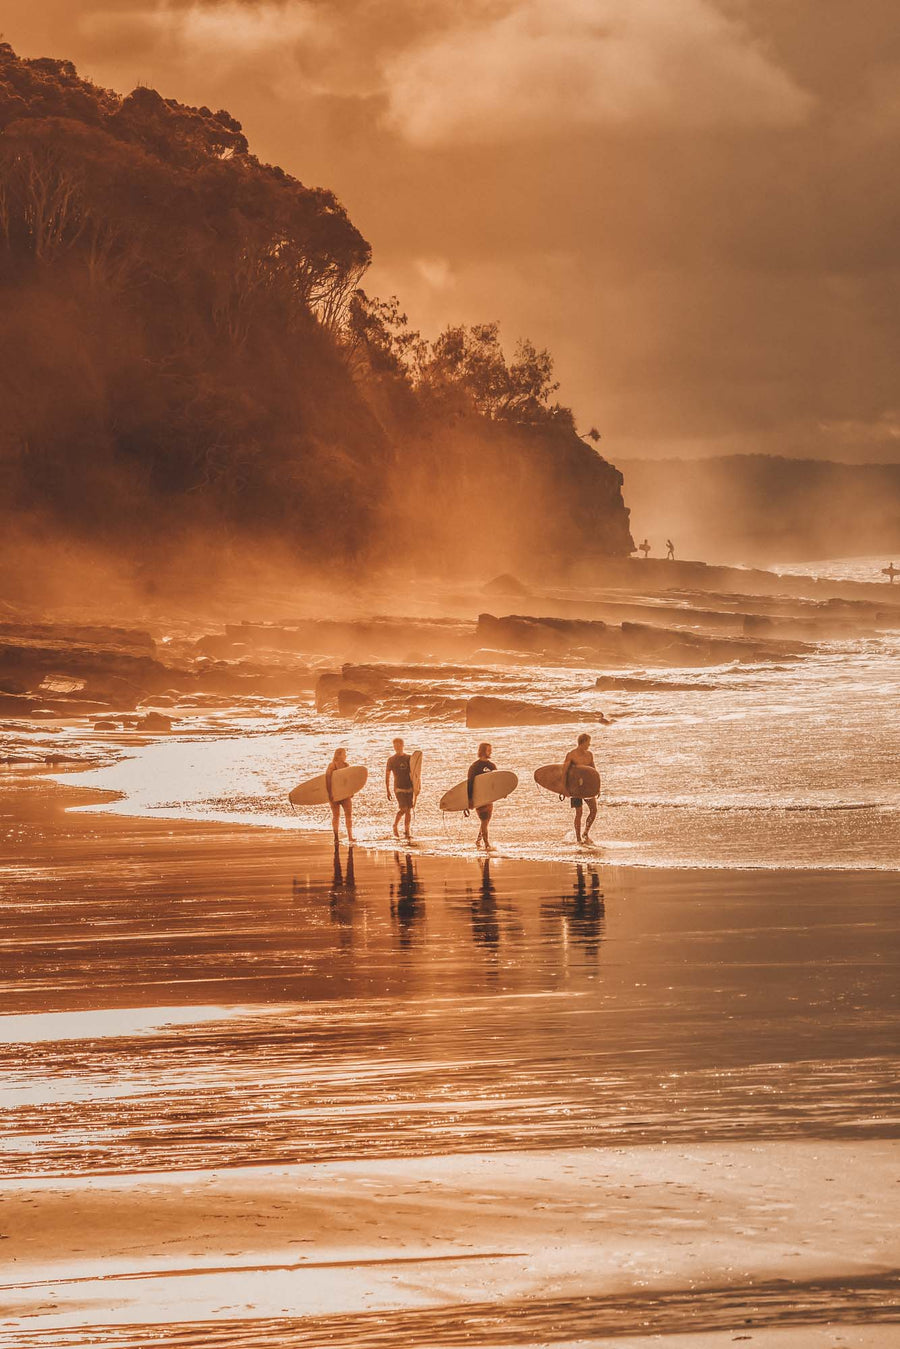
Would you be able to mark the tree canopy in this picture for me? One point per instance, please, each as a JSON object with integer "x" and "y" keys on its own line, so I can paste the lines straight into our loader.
{"x": 184, "y": 337}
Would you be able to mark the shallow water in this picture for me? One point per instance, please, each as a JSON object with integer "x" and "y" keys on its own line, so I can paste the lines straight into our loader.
{"x": 395, "y": 1005}
{"x": 767, "y": 765}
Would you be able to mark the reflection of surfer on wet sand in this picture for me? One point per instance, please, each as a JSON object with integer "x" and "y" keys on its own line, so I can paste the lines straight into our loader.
{"x": 343, "y": 889}
{"x": 405, "y": 896}
{"x": 583, "y": 913}
{"x": 485, "y": 927}
{"x": 343, "y": 882}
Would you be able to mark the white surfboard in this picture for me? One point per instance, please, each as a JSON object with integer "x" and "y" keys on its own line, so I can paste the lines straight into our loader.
{"x": 345, "y": 782}
{"x": 487, "y": 788}
{"x": 415, "y": 772}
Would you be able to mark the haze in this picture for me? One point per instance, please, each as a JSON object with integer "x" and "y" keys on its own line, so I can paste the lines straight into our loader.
{"x": 692, "y": 204}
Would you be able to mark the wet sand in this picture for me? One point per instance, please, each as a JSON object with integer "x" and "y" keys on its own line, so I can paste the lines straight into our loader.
{"x": 253, "y": 1096}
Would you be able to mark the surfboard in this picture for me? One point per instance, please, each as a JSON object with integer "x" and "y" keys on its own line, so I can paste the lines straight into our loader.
{"x": 415, "y": 772}
{"x": 579, "y": 781}
{"x": 345, "y": 782}
{"x": 489, "y": 787}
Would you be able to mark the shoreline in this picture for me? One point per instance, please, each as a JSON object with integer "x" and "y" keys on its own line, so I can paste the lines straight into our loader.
{"x": 112, "y": 802}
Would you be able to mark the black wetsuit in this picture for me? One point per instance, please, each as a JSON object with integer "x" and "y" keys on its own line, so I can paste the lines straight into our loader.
{"x": 475, "y": 770}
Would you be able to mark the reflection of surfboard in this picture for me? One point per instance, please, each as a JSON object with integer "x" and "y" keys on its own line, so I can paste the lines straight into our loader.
{"x": 345, "y": 782}
{"x": 488, "y": 787}
{"x": 415, "y": 772}
{"x": 579, "y": 781}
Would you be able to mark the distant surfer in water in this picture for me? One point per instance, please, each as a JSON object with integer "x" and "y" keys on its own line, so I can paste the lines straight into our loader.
{"x": 644, "y": 548}
{"x": 398, "y": 765}
{"x": 581, "y": 755}
{"x": 890, "y": 572}
{"x": 670, "y": 551}
{"x": 481, "y": 765}
{"x": 339, "y": 761}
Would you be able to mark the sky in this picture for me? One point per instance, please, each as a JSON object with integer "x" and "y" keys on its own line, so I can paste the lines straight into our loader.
{"x": 693, "y": 204}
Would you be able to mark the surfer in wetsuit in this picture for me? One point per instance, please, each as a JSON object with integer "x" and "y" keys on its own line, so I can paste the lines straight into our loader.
{"x": 583, "y": 758}
{"x": 670, "y": 551}
{"x": 399, "y": 765}
{"x": 339, "y": 761}
{"x": 481, "y": 765}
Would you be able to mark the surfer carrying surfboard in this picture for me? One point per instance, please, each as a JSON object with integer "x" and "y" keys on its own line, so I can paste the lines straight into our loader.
{"x": 481, "y": 765}
{"x": 399, "y": 764}
{"x": 339, "y": 761}
{"x": 583, "y": 757}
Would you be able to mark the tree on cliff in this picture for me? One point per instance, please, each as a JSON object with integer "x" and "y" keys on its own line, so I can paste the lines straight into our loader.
{"x": 463, "y": 370}
{"x": 184, "y": 342}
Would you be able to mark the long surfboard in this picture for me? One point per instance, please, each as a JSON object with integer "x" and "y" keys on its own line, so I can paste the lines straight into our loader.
{"x": 415, "y": 772}
{"x": 345, "y": 782}
{"x": 580, "y": 780}
{"x": 487, "y": 788}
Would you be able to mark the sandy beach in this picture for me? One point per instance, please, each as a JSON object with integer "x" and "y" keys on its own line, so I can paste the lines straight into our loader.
{"x": 255, "y": 1096}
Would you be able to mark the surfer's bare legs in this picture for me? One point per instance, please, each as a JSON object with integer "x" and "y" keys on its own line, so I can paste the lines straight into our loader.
{"x": 592, "y": 815}
{"x": 404, "y": 814}
{"x": 484, "y": 815}
{"x": 336, "y": 808}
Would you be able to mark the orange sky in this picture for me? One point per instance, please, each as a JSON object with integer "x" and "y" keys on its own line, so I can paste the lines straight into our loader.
{"x": 692, "y": 203}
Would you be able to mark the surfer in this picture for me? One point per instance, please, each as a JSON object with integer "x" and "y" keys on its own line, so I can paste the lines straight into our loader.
{"x": 670, "y": 551}
{"x": 644, "y": 548}
{"x": 582, "y": 756}
{"x": 399, "y": 765}
{"x": 339, "y": 761}
{"x": 481, "y": 765}
{"x": 890, "y": 572}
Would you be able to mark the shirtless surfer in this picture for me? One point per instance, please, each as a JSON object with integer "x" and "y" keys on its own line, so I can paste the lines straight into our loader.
{"x": 583, "y": 757}
{"x": 339, "y": 761}
{"x": 481, "y": 765}
{"x": 398, "y": 765}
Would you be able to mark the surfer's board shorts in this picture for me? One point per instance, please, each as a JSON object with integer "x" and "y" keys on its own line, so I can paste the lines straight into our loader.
{"x": 484, "y": 812}
{"x": 576, "y": 801}
{"x": 404, "y": 797}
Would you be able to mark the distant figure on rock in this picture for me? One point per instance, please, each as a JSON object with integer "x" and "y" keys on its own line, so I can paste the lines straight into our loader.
{"x": 399, "y": 765}
{"x": 890, "y": 572}
{"x": 644, "y": 548}
{"x": 670, "y": 551}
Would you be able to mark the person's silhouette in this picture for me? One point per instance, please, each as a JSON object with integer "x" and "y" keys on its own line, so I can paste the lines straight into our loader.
{"x": 485, "y": 927}
{"x": 406, "y": 892}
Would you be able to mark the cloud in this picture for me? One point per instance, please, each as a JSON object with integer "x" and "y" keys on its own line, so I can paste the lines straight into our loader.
{"x": 229, "y": 31}
{"x": 546, "y": 66}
